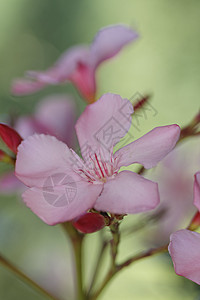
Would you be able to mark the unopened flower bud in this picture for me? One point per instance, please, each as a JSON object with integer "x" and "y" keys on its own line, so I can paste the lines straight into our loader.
{"x": 10, "y": 137}
{"x": 89, "y": 223}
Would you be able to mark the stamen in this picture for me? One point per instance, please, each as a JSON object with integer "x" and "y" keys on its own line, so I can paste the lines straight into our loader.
{"x": 97, "y": 168}
{"x": 99, "y": 165}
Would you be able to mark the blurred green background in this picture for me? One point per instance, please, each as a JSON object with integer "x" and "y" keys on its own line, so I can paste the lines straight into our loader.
{"x": 164, "y": 62}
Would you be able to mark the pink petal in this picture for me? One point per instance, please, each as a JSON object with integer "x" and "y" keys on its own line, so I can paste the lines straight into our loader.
{"x": 22, "y": 87}
{"x": 40, "y": 156}
{"x": 83, "y": 78}
{"x": 58, "y": 202}
{"x": 69, "y": 60}
{"x": 75, "y": 66}
{"x": 128, "y": 193}
{"x": 197, "y": 190}
{"x": 64, "y": 67}
{"x": 109, "y": 41}
{"x": 104, "y": 123}
{"x": 56, "y": 113}
{"x": 184, "y": 249}
{"x": 150, "y": 148}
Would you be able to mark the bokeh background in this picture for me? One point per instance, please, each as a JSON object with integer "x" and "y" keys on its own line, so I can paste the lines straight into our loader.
{"x": 164, "y": 62}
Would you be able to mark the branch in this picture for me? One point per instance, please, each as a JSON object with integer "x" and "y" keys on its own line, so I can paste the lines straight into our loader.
{"x": 77, "y": 243}
{"x": 111, "y": 273}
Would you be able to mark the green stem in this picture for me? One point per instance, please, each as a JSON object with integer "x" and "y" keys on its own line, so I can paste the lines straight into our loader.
{"x": 25, "y": 278}
{"x": 77, "y": 244}
{"x": 114, "y": 228}
{"x": 107, "y": 279}
{"x": 112, "y": 272}
{"x": 145, "y": 254}
{"x": 97, "y": 268}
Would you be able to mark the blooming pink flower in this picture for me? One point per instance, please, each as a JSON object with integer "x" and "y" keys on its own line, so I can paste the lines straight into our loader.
{"x": 79, "y": 64}
{"x": 184, "y": 246}
{"x": 62, "y": 186}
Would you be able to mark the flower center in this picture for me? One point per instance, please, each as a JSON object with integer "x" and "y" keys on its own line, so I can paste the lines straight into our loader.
{"x": 98, "y": 167}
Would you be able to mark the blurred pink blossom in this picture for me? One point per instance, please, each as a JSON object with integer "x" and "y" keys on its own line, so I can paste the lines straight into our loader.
{"x": 175, "y": 179}
{"x": 78, "y": 64}
{"x": 54, "y": 115}
{"x": 62, "y": 186}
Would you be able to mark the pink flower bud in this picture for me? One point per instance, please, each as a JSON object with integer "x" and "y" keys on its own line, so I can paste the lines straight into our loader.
{"x": 89, "y": 223}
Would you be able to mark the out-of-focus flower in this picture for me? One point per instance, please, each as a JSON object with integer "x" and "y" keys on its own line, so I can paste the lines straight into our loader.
{"x": 174, "y": 176}
{"x": 184, "y": 249}
{"x": 78, "y": 64}
{"x": 54, "y": 115}
{"x": 63, "y": 186}
{"x": 184, "y": 246}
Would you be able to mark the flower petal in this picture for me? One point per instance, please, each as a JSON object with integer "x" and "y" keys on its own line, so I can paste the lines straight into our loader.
{"x": 109, "y": 41}
{"x": 22, "y": 87}
{"x": 40, "y": 156}
{"x": 197, "y": 190}
{"x": 150, "y": 148}
{"x": 64, "y": 67}
{"x": 83, "y": 78}
{"x": 128, "y": 193}
{"x": 184, "y": 250}
{"x": 57, "y": 202}
{"x": 103, "y": 123}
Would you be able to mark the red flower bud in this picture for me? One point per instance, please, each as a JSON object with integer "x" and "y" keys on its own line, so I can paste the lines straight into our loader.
{"x": 89, "y": 223}
{"x": 141, "y": 102}
{"x": 10, "y": 137}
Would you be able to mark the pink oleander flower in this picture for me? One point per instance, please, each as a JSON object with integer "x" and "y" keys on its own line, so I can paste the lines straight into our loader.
{"x": 62, "y": 186}
{"x": 54, "y": 115}
{"x": 78, "y": 64}
{"x": 184, "y": 246}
